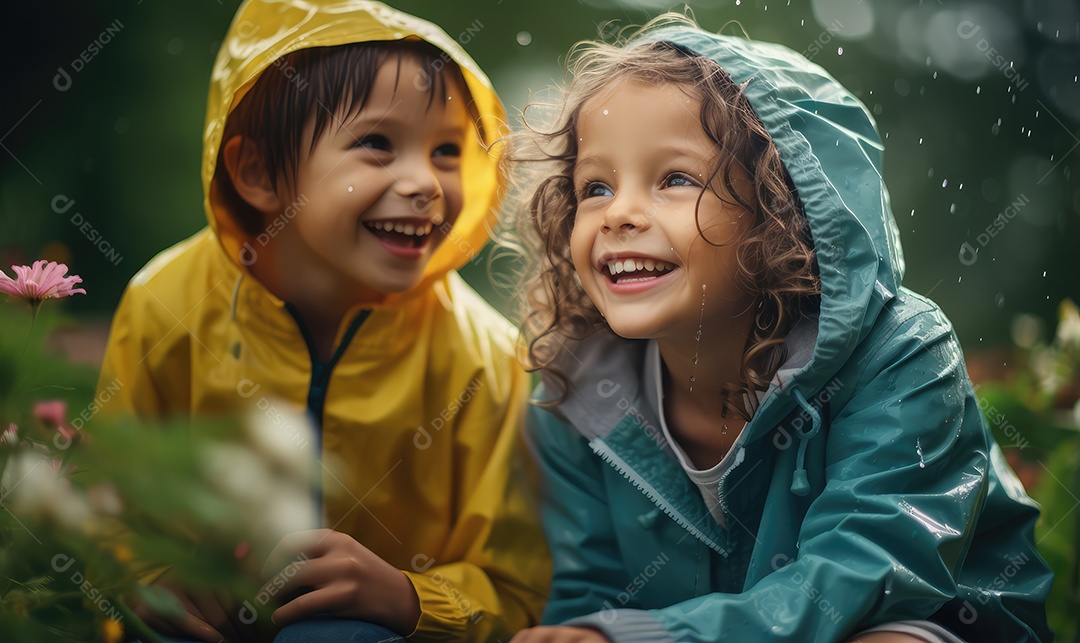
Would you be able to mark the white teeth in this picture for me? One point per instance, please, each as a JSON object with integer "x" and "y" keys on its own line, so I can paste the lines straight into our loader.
{"x": 402, "y": 228}
{"x": 630, "y": 265}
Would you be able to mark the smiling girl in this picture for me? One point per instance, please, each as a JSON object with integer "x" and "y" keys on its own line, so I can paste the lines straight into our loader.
{"x": 752, "y": 430}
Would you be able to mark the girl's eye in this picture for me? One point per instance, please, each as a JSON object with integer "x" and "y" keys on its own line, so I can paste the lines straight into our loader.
{"x": 593, "y": 189}
{"x": 374, "y": 142}
{"x": 680, "y": 180}
{"x": 448, "y": 149}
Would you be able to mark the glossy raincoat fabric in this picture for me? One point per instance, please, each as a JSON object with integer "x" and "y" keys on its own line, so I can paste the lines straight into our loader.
{"x": 423, "y": 399}
{"x": 869, "y": 489}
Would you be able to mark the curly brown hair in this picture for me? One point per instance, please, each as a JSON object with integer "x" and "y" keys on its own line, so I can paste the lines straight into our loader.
{"x": 776, "y": 259}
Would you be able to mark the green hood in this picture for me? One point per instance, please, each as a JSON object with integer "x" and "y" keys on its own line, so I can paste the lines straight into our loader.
{"x": 830, "y": 147}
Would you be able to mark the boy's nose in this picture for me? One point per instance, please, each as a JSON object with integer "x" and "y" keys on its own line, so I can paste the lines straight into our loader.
{"x": 418, "y": 182}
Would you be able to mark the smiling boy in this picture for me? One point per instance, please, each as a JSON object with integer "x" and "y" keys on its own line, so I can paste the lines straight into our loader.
{"x": 347, "y": 176}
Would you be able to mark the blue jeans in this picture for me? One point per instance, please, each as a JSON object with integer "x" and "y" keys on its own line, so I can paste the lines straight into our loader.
{"x": 329, "y": 631}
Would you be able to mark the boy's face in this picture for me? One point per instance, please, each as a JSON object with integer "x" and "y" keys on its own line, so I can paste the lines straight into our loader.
{"x": 379, "y": 190}
{"x": 643, "y": 159}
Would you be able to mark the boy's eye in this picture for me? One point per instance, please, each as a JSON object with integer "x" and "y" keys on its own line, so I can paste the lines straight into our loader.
{"x": 449, "y": 149}
{"x": 374, "y": 142}
{"x": 594, "y": 189}
{"x": 680, "y": 180}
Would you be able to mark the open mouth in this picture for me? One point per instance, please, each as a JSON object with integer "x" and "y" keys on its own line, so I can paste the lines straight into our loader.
{"x": 633, "y": 270}
{"x": 401, "y": 232}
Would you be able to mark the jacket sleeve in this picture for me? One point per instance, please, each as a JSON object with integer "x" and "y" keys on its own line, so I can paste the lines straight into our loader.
{"x": 906, "y": 475}
{"x": 586, "y": 567}
{"x": 145, "y": 355}
{"x": 497, "y": 567}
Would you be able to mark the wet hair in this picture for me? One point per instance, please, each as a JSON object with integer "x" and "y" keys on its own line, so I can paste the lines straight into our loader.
{"x": 320, "y": 83}
{"x": 776, "y": 263}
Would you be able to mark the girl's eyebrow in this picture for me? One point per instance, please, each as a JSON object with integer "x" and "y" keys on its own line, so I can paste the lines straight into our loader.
{"x": 668, "y": 150}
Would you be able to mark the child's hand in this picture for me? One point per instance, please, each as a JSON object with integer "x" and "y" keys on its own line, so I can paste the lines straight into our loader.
{"x": 559, "y": 635}
{"x": 206, "y": 617}
{"x": 327, "y": 573}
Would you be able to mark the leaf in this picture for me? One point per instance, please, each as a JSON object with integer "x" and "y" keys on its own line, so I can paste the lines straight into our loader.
{"x": 160, "y": 600}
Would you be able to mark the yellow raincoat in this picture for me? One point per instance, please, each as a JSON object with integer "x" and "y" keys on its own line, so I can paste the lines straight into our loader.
{"x": 422, "y": 400}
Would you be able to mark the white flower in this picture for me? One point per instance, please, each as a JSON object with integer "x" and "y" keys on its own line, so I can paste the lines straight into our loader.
{"x": 1068, "y": 330}
{"x": 239, "y": 474}
{"x": 104, "y": 499}
{"x": 293, "y": 509}
{"x": 284, "y": 436}
{"x": 33, "y": 487}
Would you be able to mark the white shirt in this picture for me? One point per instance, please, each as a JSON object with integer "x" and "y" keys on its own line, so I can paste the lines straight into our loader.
{"x": 706, "y": 480}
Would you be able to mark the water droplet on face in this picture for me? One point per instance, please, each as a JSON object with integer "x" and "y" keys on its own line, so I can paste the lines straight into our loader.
{"x": 350, "y": 188}
{"x": 605, "y": 112}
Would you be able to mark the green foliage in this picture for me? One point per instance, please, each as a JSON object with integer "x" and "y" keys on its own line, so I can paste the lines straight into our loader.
{"x": 1036, "y": 415}
{"x": 89, "y": 517}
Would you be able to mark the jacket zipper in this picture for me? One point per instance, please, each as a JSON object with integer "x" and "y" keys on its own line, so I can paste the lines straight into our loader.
{"x": 320, "y": 378}
{"x": 609, "y": 456}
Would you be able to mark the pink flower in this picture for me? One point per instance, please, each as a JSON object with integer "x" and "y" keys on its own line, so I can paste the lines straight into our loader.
{"x": 53, "y": 414}
{"x": 45, "y": 280}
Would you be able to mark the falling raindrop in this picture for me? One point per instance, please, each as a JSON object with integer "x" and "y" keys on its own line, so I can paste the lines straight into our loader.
{"x": 839, "y": 51}
{"x": 912, "y": 211}
{"x": 524, "y": 38}
{"x": 920, "y": 141}
{"x": 1000, "y": 300}
{"x": 945, "y": 183}
{"x": 952, "y": 208}
{"x": 978, "y": 89}
{"x": 1044, "y": 273}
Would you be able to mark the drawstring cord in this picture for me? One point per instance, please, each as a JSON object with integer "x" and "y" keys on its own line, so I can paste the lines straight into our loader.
{"x": 800, "y": 485}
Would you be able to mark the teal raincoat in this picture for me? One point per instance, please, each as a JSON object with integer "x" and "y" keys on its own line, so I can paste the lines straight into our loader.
{"x": 869, "y": 489}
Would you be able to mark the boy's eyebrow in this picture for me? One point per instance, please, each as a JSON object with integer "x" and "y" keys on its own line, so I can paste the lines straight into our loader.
{"x": 368, "y": 121}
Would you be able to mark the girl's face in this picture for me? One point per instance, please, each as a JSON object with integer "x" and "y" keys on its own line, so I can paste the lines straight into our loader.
{"x": 643, "y": 159}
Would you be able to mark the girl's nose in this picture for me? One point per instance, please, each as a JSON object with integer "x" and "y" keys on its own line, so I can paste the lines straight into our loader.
{"x": 624, "y": 215}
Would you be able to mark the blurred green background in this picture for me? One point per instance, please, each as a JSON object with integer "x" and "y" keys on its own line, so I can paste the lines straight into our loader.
{"x": 979, "y": 102}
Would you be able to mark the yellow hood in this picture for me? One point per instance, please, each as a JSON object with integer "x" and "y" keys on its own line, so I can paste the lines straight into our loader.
{"x": 265, "y": 30}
